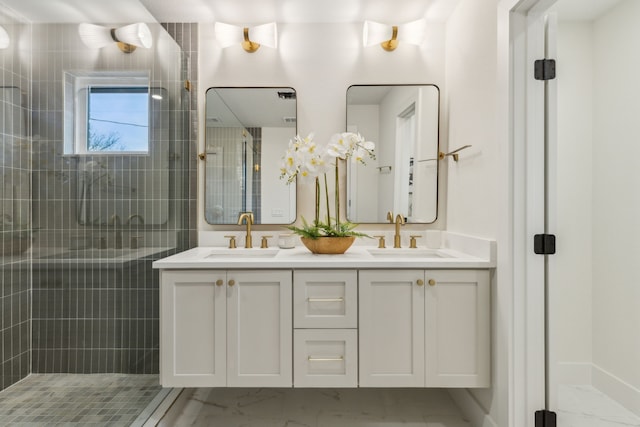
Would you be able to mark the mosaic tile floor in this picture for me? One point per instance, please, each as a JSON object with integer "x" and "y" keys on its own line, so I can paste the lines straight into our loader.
{"x": 77, "y": 400}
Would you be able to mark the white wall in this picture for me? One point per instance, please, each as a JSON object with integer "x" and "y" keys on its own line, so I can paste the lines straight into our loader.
{"x": 475, "y": 194}
{"x": 616, "y": 207}
{"x": 570, "y": 287}
{"x": 320, "y": 61}
{"x": 471, "y": 107}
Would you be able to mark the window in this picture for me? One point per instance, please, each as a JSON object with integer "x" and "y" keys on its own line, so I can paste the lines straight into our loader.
{"x": 106, "y": 113}
{"x": 118, "y": 119}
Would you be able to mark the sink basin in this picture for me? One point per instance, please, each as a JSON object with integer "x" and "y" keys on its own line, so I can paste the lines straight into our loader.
{"x": 243, "y": 253}
{"x": 406, "y": 253}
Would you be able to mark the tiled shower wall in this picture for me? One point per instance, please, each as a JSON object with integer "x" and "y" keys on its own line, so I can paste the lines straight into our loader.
{"x": 102, "y": 316}
{"x": 15, "y": 191}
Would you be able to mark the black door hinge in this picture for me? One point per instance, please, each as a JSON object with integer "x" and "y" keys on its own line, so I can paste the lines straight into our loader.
{"x": 544, "y": 244}
{"x": 544, "y": 69}
{"x": 545, "y": 418}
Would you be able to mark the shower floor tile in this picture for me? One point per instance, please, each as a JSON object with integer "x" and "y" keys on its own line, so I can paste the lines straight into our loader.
{"x": 95, "y": 399}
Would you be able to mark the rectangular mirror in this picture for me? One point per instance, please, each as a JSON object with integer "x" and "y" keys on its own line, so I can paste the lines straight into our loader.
{"x": 403, "y": 121}
{"x": 247, "y": 132}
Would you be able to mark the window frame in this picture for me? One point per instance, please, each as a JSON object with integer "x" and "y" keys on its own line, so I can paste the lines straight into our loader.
{"x": 77, "y": 90}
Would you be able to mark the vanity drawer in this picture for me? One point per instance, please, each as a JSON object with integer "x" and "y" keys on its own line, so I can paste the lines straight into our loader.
{"x": 325, "y": 358}
{"x": 325, "y": 299}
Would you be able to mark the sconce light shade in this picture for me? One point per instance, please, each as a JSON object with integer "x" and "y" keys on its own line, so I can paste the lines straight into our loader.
{"x": 228, "y": 35}
{"x": 127, "y": 37}
{"x": 375, "y": 33}
{"x": 95, "y": 36}
{"x": 251, "y": 38}
{"x": 4, "y": 38}
{"x": 136, "y": 34}
{"x": 265, "y": 34}
{"x": 388, "y": 36}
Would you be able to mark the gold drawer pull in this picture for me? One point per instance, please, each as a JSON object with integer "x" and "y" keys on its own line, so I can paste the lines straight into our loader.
{"x": 325, "y": 359}
{"x": 325, "y": 299}
{"x": 420, "y": 282}
{"x": 232, "y": 282}
{"x": 432, "y": 282}
{"x": 219, "y": 282}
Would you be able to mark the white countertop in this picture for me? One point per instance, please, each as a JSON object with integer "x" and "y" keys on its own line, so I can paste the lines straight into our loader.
{"x": 300, "y": 258}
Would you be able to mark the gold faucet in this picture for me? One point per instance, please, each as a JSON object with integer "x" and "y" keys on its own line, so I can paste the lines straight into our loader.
{"x": 134, "y": 216}
{"x": 248, "y": 217}
{"x": 396, "y": 238}
{"x": 115, "y": 221}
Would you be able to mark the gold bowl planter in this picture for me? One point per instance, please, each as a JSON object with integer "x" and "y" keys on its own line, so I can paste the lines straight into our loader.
{"x": 328, "y": 245}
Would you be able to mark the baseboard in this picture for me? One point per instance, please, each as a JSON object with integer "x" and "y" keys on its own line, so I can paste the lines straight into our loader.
{"x": 619, "y": 390}
{"x": 471, "y": 409}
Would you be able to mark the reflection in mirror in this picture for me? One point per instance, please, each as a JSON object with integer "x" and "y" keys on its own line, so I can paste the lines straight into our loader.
{"x": 247, "y": 130}
{"x": 403, "y": 120}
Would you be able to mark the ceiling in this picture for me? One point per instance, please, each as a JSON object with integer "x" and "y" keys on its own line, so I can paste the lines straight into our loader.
{"x": 232, "y": 11}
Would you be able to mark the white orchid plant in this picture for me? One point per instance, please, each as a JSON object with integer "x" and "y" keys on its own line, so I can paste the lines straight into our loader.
{"x": 305, "y": 160}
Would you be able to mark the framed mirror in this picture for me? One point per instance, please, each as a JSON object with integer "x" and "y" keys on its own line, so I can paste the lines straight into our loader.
{"x": 247, "y": 132}
{"x": 403, "y": 121}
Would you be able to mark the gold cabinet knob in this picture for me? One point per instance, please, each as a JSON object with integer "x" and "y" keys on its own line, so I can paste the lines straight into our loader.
{"x": 202, "y": 156}
{"x": 420, "y": 282}
{"x": 432, "y": 282}
{"x": 232, "y": 282}
{"x": 219, "y": 282}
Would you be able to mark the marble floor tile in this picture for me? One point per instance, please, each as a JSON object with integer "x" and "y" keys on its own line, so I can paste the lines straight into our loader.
{"x": 585, "y": 406}
{"x": 228, "y": 407}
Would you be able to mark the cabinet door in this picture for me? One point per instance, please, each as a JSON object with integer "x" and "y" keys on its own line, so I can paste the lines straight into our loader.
{"x": 391, "y": 328}
{"x": 325, "y": 299}
{"x": 193, "y": 325}
{"x": 259, "y": 329}
{"x": 457, "y": 325}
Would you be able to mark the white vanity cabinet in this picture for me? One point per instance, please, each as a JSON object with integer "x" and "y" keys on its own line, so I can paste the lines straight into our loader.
{"x": 226, "y": 328}
{"x": 424, "y": 328}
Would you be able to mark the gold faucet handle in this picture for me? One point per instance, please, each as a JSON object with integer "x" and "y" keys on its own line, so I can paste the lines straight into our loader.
{"x": 265, "y": 242}
{"x": 232, "y": 241}
{"x": 381, "y": 244}
{"x": 412, "y": 242}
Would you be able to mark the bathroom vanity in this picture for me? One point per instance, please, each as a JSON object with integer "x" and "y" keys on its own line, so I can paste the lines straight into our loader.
{"x": 368, "y": 318}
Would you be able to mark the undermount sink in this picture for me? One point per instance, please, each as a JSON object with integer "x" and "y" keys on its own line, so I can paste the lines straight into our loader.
{"x": 406, "y": 253}
{"x": 243, "y": 253}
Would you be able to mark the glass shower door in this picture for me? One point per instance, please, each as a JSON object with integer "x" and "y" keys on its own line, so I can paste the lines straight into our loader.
{"x": 593, "y": 207}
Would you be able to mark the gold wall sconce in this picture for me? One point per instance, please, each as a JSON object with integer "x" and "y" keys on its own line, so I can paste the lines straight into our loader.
{"x": 388, "y": 36}
{"x": 251, "y": 38}
{"x": 127, "y": 38}
{"x": 4, "y": 38}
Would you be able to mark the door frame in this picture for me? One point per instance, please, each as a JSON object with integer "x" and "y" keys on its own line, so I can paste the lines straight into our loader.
{"x": 524, "y": 21}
